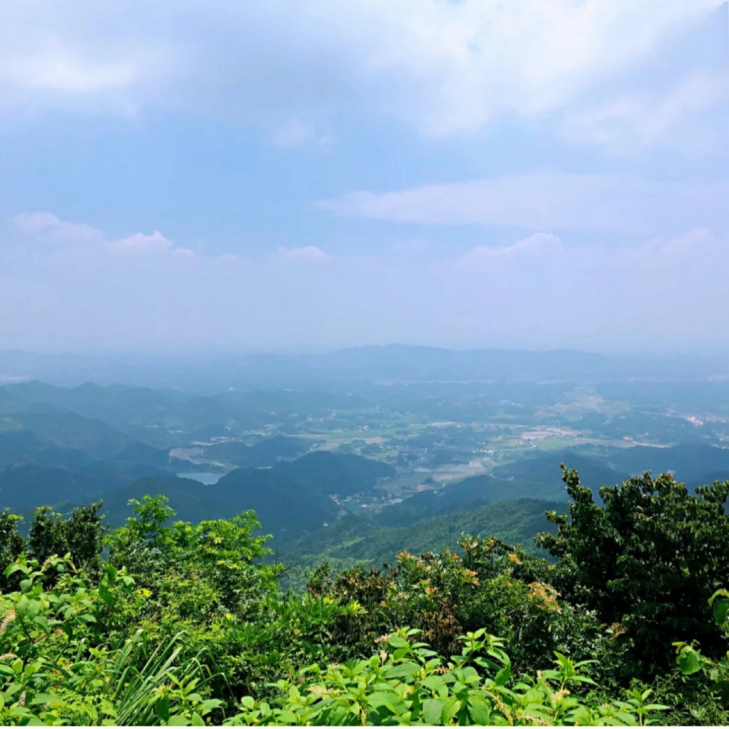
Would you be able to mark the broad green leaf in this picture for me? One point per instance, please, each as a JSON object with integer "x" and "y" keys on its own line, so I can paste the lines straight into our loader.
{"x": 450, "y": 709}
{"x": 479, "y": 712}
{"x": 162, "y": 708}
{"x": 33, "y": 720}
{"x": 721, "y": 608}
{"x": 210, "y": 704}
{"x": 389, "y": 700}
{"x": 432, "y": 711}
{"x": 105, "y": 594}
{"x": 22, "y": 607}
{"x": 43, "y": 699}
{"x": 402, "y": 669}
{"x": 178, "y": 720}
{"x": 503, "y": 677}
{"x": 689, "y": 661}
{"x": 434, "y": 683}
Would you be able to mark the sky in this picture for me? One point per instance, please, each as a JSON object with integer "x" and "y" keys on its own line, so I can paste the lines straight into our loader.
{"x": 305, "y": 174}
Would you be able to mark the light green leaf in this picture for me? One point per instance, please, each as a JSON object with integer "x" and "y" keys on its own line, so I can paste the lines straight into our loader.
{"x": 479, "y": 712}
{"x": 689, "y": 661}
{"x": 450, "y": 709}
{"x": 434, "y": 683}
{"x": 178, "y": 720}
{"x": 432, "y": 711}
{"x": 388, "y": 700}
{"x": 402, "y": 670}
{"x": 503, "y": 676}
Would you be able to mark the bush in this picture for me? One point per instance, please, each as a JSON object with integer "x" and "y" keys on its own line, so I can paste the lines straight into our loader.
{"x": 646, "y": 562}
{"x": 408, "y": 683}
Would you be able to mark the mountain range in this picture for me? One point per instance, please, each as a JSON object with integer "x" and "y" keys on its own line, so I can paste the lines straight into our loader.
{"x": 389, "y": 362}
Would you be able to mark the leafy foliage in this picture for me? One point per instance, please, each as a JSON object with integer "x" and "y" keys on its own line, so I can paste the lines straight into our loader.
{"x": 647, "y": 561}
{"x": 165, "y": 622}
{"x": 408, "y": 683}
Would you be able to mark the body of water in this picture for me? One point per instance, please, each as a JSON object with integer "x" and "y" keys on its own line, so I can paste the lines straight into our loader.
{"x": 207, "y": 478}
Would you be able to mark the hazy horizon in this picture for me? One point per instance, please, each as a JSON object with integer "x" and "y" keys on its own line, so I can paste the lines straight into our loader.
{"x": 180, "y": 178}
{"x": 214, "y": 353}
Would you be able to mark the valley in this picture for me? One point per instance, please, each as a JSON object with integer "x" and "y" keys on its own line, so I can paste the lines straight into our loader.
{"x": 354, "y": 459}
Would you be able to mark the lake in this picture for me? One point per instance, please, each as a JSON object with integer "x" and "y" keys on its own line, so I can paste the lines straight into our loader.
{"x": 207, "y": 478}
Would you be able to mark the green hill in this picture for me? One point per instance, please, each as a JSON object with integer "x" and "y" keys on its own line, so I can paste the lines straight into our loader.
{"x": 544, "y": 474}
{"x": 68, "y": 430}
{"x": 28, "y": 486}
{"x": 690, "y": 463}
{"x": 290, "y": 499}
{"x": 537, "y": 477}
{"x": 355, "y": 539}
{"x": 334, "y": 473}
{"x": 263, "y": 454}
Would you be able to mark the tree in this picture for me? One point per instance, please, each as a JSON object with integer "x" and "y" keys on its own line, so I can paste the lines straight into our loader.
{"x": 647, "y": 561}
{"x": 81, "y": 535}
{"x": 11, "y": 545}
{"x": 200, "y": 568}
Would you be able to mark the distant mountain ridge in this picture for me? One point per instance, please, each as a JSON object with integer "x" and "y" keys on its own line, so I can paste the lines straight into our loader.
{"x": 395, "y": 361}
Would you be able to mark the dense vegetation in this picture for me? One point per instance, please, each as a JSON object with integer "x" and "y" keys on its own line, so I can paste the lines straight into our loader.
{"x": 354, "y": 540}
{"x": 168, "y": 622}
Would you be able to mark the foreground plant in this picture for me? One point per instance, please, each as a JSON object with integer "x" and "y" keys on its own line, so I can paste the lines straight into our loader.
{"x": 407, "y": 683}
{"x": 57, "y": 668}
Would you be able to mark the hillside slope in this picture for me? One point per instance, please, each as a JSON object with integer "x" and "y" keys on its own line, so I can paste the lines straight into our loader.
{"x": 355, "y": 540}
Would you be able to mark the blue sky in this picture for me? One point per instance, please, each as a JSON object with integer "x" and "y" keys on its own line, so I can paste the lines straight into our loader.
{"x": 293, "y": 175}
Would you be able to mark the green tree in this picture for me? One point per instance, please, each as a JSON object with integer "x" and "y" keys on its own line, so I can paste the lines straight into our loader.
{"x": 81, "y": 535}
{"x": 11, "y": 545}
{"x": 647, "y": 561}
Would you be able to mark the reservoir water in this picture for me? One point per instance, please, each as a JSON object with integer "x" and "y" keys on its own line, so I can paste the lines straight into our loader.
{"x": 207, "y": 478}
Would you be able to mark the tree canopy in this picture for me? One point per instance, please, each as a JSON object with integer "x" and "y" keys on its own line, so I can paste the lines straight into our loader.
{"x": 165, "y": 622}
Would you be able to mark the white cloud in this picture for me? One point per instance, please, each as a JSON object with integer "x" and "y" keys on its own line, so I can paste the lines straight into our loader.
{"x": 666, "y": 294}
{"x": 603, "y": 203}
{"x": 296, "y": 135}
{"x": 47, "y": 226}
{"x": 140, "y": 243}
{"x": 48, "y": 223}
{"x": 537, "y": 246}
{"x": 307, "y": 254}
{"x": 61, "y": 72}
{"x": 649, "y": 119}
{"x": 687, "y": 259}
{"x": 443, "y": 67}
{"x": 227, "y": 258}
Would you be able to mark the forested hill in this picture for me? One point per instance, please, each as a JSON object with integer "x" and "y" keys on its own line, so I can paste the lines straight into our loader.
{"x": 291, "y": 497}
{"x": 355, "y": 540}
